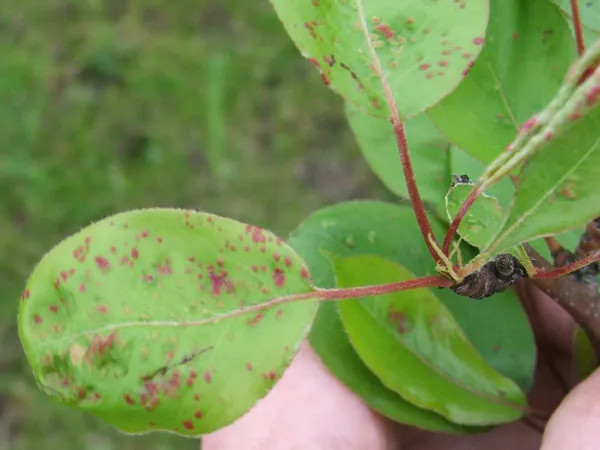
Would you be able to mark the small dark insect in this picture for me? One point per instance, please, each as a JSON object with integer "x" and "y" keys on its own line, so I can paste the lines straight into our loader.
{"x": 493, "y": 277}
{"x": 460, "y": 179}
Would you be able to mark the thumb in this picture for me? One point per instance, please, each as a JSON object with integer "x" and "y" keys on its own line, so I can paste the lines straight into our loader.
{"x": 576, "y": 423}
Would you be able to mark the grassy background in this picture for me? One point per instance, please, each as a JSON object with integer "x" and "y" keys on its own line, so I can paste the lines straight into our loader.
{"x": 107, "y": 105}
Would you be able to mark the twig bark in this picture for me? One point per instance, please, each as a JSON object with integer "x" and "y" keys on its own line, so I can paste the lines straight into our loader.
{"x": 580, "y": 299}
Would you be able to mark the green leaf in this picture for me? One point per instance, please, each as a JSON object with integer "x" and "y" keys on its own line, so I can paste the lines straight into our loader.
{"x": 584, "y": 355}
{"x": 390, "y": 231}
{"x": 330, "y": 341}
{"x": 140, "y": 319}
{"x": 482, "y": 221}
{"x": 462, "y": 163}
{"x": 423, "y": 46}
{"x": 428, "y": 148}
{"x": 528, "y": 50}
{"x": 414, "y": 345}
{"x": 589, "y": 11}
{"x": 558, "y": 188}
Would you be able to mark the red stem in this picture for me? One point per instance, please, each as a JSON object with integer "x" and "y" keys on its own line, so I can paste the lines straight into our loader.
{"x": 563, "y": 270}
{"x": 577, "y": 27}
{"x": 378, "y": 289}
{"x": 409, "y": 176}
{"x": 411, "y": 184}
{"x": 457, "y": 219}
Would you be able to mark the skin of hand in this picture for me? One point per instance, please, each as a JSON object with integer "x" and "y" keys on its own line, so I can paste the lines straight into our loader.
{"x": 310, "y": 409}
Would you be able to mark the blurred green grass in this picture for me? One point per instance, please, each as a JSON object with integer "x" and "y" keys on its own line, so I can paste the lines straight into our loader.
{"x": 107, "y": 105}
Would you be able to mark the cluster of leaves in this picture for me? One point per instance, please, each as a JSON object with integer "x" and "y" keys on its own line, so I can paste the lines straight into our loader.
{"x": 180, "y": 321}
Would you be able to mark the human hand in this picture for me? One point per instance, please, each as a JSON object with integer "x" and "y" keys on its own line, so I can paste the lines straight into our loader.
{"x": 311, "y": 409}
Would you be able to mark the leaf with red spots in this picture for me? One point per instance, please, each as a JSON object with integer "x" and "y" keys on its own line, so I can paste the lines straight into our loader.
{"x": 558, "y": 188}
{"x": 158, "y": 334}
{"x": 420, "y": 46}
{"x": 527, "y": 52}
{"x": 372, "y": 228}
{"x": 414, "y": 345}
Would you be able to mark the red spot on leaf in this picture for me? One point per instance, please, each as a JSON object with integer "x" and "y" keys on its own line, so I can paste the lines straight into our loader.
{"x": 256, "y": 319}
{"x": 529, "y": 124}
{"x": 207, "y": 376}
{"x": 198, "y": 415}
{"x": 191, "y": 378}
{"x": 515, "y": 35}
{"x": 165, "y": 270}
{"x": 276, "y": 256}
{"x": 99, "y": 344}
{"x": 53, "y": 308}
{"x": 113, "y": 249}
{"x": 26, "y": 294}
{"x": 444, "y": 63}
{"x": 80, "y": 393}
{"x": 287, "y": 261}
{"x": 424, "y": 66}
{"x": 37, "y": 318}
{"x": 258, "y": 235}
{"x": 144, "y": 234}
{"x": 102, "y": 309}
{"x": 399, "y": 321}
{"x": 304, "y": 273}
{"x": 386, "y": 30}
{"x": 478, "y": 41}
{"x": 249, "y": 366}
{"x": 312, "y": 32}
{"x": 102, "y": 263}
{"x": 591, "y": 97}
{"x": 188, "y": 424}
{"x": 279, "y": 313}
{"x": 129, "y": 399}
{"x": 278, "y": 277}
{"x": 548, "y": 136}
{"x": 82, "y": 287}
{"x": 220, "y": 281}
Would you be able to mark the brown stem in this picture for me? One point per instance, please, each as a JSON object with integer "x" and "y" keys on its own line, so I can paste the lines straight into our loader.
{"x": 590, "y": 239}
{"x": 553, "y": 245}
{"x": 577, "y": 27}
{"x": 581, "y": 300}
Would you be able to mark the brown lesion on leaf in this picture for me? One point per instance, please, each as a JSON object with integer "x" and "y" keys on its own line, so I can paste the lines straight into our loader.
{"x": 162, "y": 371}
